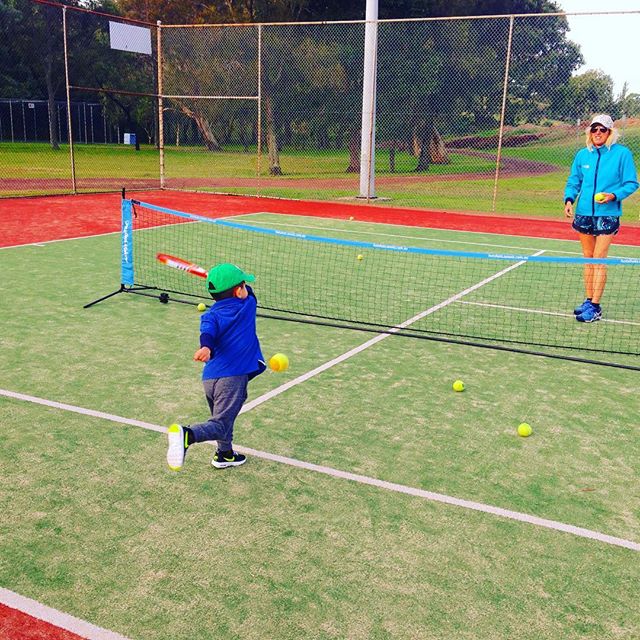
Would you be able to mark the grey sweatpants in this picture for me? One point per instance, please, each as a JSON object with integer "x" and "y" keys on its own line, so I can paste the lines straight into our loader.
{"x": 225, "y": 397}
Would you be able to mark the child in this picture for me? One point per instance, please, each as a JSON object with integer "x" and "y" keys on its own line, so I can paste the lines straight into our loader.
{"x": 230, "y": 349}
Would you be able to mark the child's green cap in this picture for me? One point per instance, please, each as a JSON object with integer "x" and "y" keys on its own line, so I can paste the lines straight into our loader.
{"x": 225, "y": 276}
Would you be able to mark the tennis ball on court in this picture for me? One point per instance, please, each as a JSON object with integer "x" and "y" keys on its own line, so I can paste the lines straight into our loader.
{"x": 350, "y": 217}
{"x": 202, "y": 307}
{"x": 599, "y": 197}
{"x": 279, "y": 362}
{"x": 524, "y": 430}
{"x": 360, "y": 256}
{"x": 458, "y": 385}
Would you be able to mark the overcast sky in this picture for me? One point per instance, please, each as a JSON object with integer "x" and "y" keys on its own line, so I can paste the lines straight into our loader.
{"x": 609, "y": 43}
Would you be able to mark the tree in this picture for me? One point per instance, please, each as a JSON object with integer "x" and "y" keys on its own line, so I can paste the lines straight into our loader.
{"x": 33, "y": 39}
{"x": 587, "y": 93}
{"x": 15, "y": 76}
{"x": 434, "y": 78}
{"x": 541, "y": 65}
{"x": 627, "y": 104}
{"x": 34, "y": 65}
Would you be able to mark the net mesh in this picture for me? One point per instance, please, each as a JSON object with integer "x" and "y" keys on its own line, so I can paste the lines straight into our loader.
{"x": 492, "y": 299}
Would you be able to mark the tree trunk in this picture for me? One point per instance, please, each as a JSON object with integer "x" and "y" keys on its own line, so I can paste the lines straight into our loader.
{"x": 354, "y": 152}
{"x": 210, "y": 140}
{"x": 422, "y": 137}
{"x": 272, "y": 140}
{"x": 51, "y": 99}
{"x": 437, "y": 150}
{"x": 428, "y": 146}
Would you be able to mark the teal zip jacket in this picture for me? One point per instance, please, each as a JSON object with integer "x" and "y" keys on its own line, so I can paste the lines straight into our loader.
{"x": 603, "y": 170}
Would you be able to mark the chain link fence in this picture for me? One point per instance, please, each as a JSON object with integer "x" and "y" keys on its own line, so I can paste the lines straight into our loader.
{"x": 471, "y": 114}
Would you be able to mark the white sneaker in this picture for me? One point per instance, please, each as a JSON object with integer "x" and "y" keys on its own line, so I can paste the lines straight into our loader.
{"x": 177, "y": 449}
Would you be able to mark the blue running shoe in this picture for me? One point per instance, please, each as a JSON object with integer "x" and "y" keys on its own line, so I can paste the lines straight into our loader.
{"x": 582, "y": 308}
{"x": 592, "y": 314}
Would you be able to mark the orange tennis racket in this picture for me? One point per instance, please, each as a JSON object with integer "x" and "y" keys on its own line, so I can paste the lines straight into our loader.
{"x": 183, "y": 265}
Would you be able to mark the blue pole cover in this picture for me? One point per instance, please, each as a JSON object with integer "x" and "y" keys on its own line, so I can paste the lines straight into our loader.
{"x": 127, "y": 243}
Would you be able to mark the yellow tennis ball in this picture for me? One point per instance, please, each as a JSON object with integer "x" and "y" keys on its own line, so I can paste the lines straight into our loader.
{"x": 279, "y": 362}
{"x": 524, "y": 430}
{"x": 360, "y": 256}
{"x": 202, "y": 307}
{"x": 350, "y": 217}
{"x": 458, "y": 385}
{"x": 599, "y": 197}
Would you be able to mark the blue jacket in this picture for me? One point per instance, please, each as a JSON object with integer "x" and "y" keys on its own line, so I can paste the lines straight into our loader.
{"x": 603, "y": 170}
{"x": 228, "y": 328}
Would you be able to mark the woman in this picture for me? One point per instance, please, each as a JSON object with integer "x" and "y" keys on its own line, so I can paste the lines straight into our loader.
{"x": 602, "y": 176}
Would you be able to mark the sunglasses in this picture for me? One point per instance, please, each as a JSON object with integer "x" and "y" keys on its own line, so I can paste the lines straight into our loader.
{"x": 599, "y": 130}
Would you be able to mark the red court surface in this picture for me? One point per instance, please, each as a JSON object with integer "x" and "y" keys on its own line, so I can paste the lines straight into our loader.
{"x": 16, "y": 625}
{"x": 29, "y": 220}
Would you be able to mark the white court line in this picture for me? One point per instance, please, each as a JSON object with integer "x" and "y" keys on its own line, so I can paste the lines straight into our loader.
{"x": 346, "y": 475}
{"x": 48, "y": 242}
{"x": 57, "y": 618}
{"x": 546, "y": 313}
{"x": 450, "y": 500}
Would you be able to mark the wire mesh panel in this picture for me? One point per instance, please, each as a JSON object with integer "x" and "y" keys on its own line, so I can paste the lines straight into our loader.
{"x": 472, "y": 114}
{"x": 311, "y": 106}
{"x": 548, "y": 109}
{"x": 440, "y": 86}
{"x": 113, "y": 63}
{"x": 34, "y": 156}
{"x": 210, "y": 78}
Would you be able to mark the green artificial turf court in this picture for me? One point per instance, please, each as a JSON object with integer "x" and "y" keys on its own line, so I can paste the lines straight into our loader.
{"x": 95, "y": 525}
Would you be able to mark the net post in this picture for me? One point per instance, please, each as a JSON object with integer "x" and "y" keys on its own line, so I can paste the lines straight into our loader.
{"x": 126, "y": 248}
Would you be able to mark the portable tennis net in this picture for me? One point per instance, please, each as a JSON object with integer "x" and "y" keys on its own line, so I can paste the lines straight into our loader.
{"x": 504, "y": 301}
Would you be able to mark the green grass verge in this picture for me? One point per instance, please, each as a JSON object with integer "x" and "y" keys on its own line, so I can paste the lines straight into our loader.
{"x": 100, "y": 167}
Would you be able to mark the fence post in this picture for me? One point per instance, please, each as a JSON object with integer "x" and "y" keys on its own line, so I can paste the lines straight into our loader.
{"x": 24, "y": 122}
{"x": 502, "y": 111}
{"x": 35, "y": 120}
{"x": 11, "y": 120}
{"x": 160, "y": 104}
{"x": 368, "y": 131}
{"x": 66, "y": 82}
{"x": 259, "y": 123}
